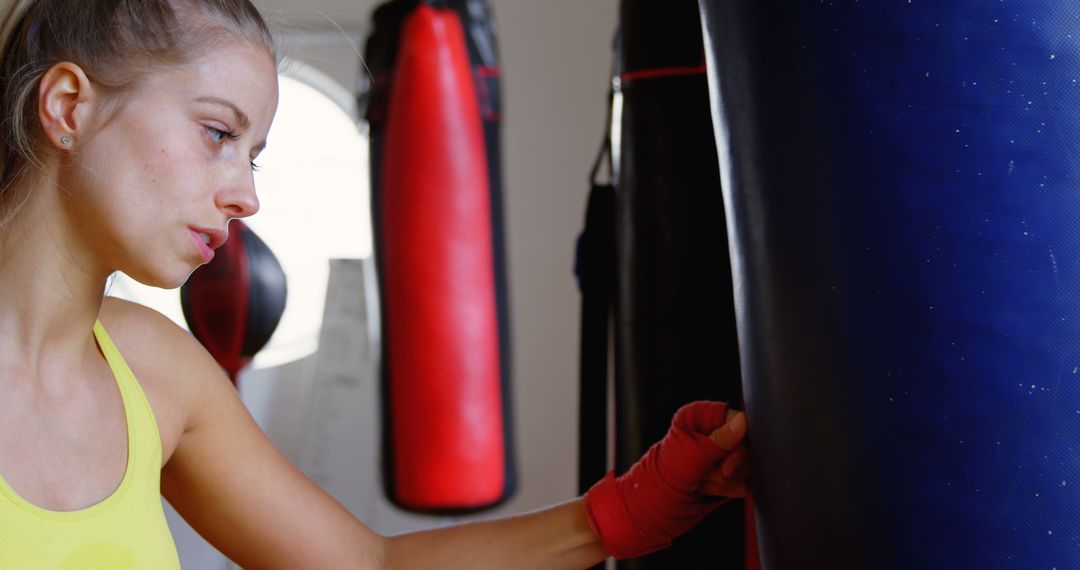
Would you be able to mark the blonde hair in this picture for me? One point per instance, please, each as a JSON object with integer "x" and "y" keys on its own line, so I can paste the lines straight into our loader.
{"x": 115, "y": 42}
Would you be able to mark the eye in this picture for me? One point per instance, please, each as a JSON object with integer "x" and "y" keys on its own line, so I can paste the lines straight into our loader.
{"x": 254, "y": 167}
{"x": 219, "y": 135}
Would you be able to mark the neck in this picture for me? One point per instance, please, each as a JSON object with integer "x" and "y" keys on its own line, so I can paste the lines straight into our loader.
{"x": 50, "y": 286}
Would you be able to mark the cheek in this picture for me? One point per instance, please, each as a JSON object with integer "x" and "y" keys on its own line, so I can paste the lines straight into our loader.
{"x": 170, "y": 171}
{"x": 135, "y": 194}
{"x": 164, "y": 159}
{"x": 158, "y": 157}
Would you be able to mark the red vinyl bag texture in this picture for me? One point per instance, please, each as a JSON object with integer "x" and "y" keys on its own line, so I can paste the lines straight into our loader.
{"x": 446, "y": 437}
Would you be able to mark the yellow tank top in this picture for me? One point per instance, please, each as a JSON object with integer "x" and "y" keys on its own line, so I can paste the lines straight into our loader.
{"x": 125, "y": 531}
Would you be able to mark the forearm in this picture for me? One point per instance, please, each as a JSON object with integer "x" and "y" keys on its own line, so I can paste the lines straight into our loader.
{"x": 554, "y": 538}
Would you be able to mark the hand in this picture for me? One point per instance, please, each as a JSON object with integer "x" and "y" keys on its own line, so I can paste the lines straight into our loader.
{"x": 675, "y": 483}
{"x": 730, "y": 478}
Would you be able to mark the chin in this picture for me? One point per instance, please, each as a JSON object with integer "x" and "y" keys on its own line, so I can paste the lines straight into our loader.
{"x": 178, "y": 279}
{"x": 172, "y": 284}
{"x": 163, "y": 278}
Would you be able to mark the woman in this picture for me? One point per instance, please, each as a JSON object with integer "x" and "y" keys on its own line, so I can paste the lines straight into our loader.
{"x": 130, "y": 133}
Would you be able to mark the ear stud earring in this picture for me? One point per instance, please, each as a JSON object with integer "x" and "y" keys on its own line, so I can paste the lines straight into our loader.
{"x": 65, "y": 140}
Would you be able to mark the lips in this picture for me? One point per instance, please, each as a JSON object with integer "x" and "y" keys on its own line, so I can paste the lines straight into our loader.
{"x": 207, "y": 240}
{"x": 212, "y": 238}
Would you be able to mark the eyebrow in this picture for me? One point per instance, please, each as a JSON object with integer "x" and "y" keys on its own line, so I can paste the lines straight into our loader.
{"x": 241, "y": 118}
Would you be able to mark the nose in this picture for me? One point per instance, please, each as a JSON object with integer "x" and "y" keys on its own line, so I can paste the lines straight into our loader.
{"x": 238, "y": 199}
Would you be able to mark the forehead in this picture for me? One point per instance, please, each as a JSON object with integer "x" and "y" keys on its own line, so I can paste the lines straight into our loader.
{"x": 242, "y": 74}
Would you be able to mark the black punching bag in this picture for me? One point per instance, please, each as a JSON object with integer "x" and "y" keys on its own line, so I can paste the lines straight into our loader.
{"x": 903, "y": 210}
{"x": 234, "y": 303}
{"x": 674, "y": 323}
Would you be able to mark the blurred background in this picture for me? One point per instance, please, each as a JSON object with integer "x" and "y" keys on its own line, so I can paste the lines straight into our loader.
{"x": 897, "y": 181}
{"x": 313, "y": 182}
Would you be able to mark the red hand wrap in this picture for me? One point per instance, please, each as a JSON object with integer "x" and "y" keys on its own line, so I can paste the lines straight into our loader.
{"x": 655, "y": 501}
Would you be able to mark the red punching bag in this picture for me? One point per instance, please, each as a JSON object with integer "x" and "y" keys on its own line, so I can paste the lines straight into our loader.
{"x": 445, "y": 444}
{"x": 234, "y": 303}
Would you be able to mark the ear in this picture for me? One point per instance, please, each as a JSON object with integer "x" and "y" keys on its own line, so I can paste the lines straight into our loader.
{"x": 65, "y": 95}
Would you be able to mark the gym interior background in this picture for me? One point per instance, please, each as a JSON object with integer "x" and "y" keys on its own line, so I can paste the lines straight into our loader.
{"x": 556, "y": 60}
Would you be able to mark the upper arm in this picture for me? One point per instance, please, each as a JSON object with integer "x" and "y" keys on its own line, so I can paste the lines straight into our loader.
{"x": 230, "y": 482}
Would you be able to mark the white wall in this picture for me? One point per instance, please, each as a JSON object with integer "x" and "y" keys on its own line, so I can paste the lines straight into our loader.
{"x": 556, "y": 59}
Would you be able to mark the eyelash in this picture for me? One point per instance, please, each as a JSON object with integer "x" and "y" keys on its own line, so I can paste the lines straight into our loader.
{"x": 219, "y": 135}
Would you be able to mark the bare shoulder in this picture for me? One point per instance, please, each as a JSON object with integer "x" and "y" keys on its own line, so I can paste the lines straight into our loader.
{"x": 139, "y": 325}
{"x": 151, "y": 342}
{"x": 171, "y": 366}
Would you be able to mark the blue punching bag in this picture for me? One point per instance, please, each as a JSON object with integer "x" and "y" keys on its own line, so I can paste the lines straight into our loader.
{"x": 904, "y": 224}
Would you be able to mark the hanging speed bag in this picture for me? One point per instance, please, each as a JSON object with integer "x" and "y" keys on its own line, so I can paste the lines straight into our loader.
{"x": 904, "y": 215}
{"x": 233, "y": 304}
{"x": 445, "y": 444}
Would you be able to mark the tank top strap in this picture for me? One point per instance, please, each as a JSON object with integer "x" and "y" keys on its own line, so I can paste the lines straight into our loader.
{"x": 142, "y": 427}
